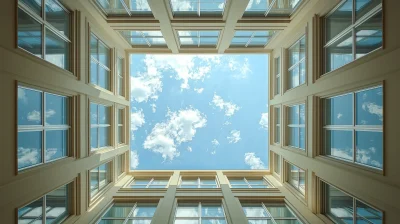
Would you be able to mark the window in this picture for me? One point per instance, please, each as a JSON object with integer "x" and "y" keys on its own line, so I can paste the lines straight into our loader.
{"x": 204, "y": 38}
{"x": 297, "y": 63}
{"x": 125, "y": 8}
{"x": 277, "y": 164}
{"x": 277, "y": 133}
{"x": 120, "y": 131}
{"x": 260, "y": 213}
{"x": 340, "y": 207}
{"x": 251, "y": 38}
{"x": 45, "y": 35}
{"x": 198, "y": 7}
{"x": 129, "y": 213}
{"x": 352, "y": 30}
{"x": 43, "y": 126}
{"x": 149, "y": 183}
{"x": 57, "y": 204}
{"x": 353, "y": 127}
{"x": 276, "y": 8}
{"x": 145, "y": 38}
{"x": 100, "y": 71}
{"x": 192, "y": 213}
{"x": 296, "y": 177}
{"x": 120, "y": 164}
{"x": 100, "y": 177}
{"x": 277, "y": 63}
{"x": 249, "y": 183}
{"x": 120, "y": 76}
{"x": 198, "y": 183}
{"x": 100, "y": 126}
{"x": 296, "y": 126}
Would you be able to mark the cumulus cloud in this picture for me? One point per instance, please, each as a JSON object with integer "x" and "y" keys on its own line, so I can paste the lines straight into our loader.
{"x": 22, "y": 95}
{"x": 199, "y": 90}
{"x": 264, "y": 121}
{"x": 28, "y": 156}
{"x": 240, "y": 70}
{"x": 34, "y": 116}
{"x": 137, "y": 121}
{"x": 147, "y": 85}
{"x": 254, "y": 162}
{"x": 50, "y": 113}
{"x": 50, "y": 152}
{"x": 180, "y": 127}
{"x": 339, "y": 115}
{"x": 189, "y": 149}
{"x": 134, "y": 159}
{"x": 229, "y": 107}
{"x": 366, "y": 156}
{"x": 342, "y": 153}
{"x": 215, "y": 142}
{"x": 373, "y": 109}
{"x": 234, "y": 136}
{"x": 227, "y": 123}
{"x": 153, "y": 107}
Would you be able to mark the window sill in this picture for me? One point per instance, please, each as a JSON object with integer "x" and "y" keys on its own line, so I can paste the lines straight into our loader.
{"x": 93, "y": 200}
{"x": 288, "y": 90}
{"x": 39, "y": 168}
{"x": 100, "y": 88}
{"x": 101, "y": 150}
{"x": 296, "y": 150}
{"x": 297, "y": 193}
{"x": 345, "y": 165}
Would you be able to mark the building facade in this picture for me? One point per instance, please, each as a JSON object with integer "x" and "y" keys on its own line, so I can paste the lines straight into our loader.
{"x": 333, "y": 112}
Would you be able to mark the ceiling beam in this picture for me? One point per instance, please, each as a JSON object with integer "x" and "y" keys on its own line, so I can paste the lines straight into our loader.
{"x": 234, "y": 11}
{"x": 160, "y": 12}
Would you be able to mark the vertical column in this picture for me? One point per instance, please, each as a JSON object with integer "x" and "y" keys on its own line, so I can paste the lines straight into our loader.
{"x": 233, "y": 207}
{"x": 166, "y": 205}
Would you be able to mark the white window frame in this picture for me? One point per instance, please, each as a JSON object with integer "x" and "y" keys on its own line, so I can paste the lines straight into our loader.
{"x": 270, "y": 217}
{"x": 100, "y": 188}
{"x": 200, "y": 217}
{"x": 248, "y": 185}
{"x": 98, "y": 63}
{"x": 120, "y": 76}
{"x": 277, "y": 76}
{"x": 129, "y": 216}
{"x": 150, "y": 183}
{"x": 288, "y": 126}
{"x": 297, "y": 65}
{"x": 276, "y": 158}
{"x": 98, "y": 126}
{"x": 199, "y": 184}
{"x": 298, "y": 189}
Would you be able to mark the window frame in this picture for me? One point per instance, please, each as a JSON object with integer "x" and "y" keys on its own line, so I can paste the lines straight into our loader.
{"x": 99, "y": 41}
{"x": 123, "y": 126}
{"x": 198, "y": 45}
{"x": 111, "y": 126}
{"x": 262, "y": 13}
{"x": 149, "y": 183}
{"x": 199, "y": 185}
{"x": 120, "y": 88}
{"x": 71, "y": 200}
{"x": 199, "y": 205}
{"x": 286, "y": 131}
{"x": 270, "y": 217}
{"x": 296, "y": 190}
{"x": 277, "y": 76}
{"x": 41, "y": 19}
{"x": 348, "y": 30}
{"x": 128, "y": 217}
{"x": 198, "y": 13}
{"x": 276, "y": 157}
{"x": 277, "y": 121}
{"x": 353, "y": 128}
{"x": 43, "y": 127}
{"x": 297, "y": 64}
{"x": 322, "y": 193}
{"x": 265, "y": 181}
{"x": 100, "y": 190}
{"x": 145, "y": 37}
{"x": 249, "y": 41}
{"x": 120, "y": 165}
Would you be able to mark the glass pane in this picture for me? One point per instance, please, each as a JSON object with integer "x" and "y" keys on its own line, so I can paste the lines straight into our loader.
{"x": 188, "y": 221}
{"x": 278, "y": 85}
{"x": 302, "y": 111}
{"x": 56, "y": 109}
{"x": 366, "y": 214}
{"x": 302, "y": 181}
{"x": 159, "y": 182}
{"x": 237, "y": 181}
{"x": 339, "y": 20}
{"x": 294, "y": 77}
{"x": 287, "y": 222}
{"x": 339, "y": 144}
{"x": 259, "y": 186}
{"x": 184, "y": 5}
{"x": 258, "y": 41}
{"x": 369, "y": 35}
{"x": 57, "y": 17}
{"x": 240, "y": 186}
{"x": 144, "y": 210}
{"x": 120, "y": 210}
{"x": 29, "y": 148}
{"x": 260, "y": 222}
{"x": 302, "y": 138}
{"x": 369, "y": 109}
{"x": 157, "y": 186}
{"x": 57, "y": 205}
{"x": 209, "y": 41}
{"x": 56, "y": 144}
{"x": 103, "y": 175}
{"x": 293, "y": 176}
{"x": 294, "y": 54}
{"x": 365, "y": 6}
{"x": 156, "y": 40}
{"x": 277, "y": 163}
{"x": 294, "y": 137}
{"x": 104, "y": 55}
{"x": 94, "y": 181}
{"x": 213, "y": 221}
{"x": 93, "y": 72}
{"x": 208, "y": 186}
{"x": 31, "y": 212}
{"x": 139, "y": 5}
{"x": 93, "y": 47}
{"x": 189, "y": 186}
{"x": 29, "y": 33}
{"x": 240, "y": 41}
{"x": 277, "y": 134}
{"x": 339, "y": 53}
{"x": 57, "y": 50}
{"x": 212, "y": 211}
{"x": 254, "y": 211}
{"x": 29, "y": 107}
{"x": 140, "y": 221}
{"x": 302, "y": 71}
{"x": 190, "y": 182}
{"x": 188, "y": 41}
{"x": 339, "y": 205}
{"x": 302, "y": 53}
{"x": 120, "y": 86}
{"x": 103, "y": 78}
{"x": 94, "y": 138}
{"x": 120, "y": 134}
{"x": 205, "y": 181}
{"x": 294, "y": 115}
{"x": 104, "y": 114}
{"x": 93, "y": 113}
{"x": 111, "y": 221}
{"x": 36, "y": 6}
{"x": 369, "y": 148}
{"x": 255, "y": 182}
{"x": 339, "y": 110}
{"x": 187, "y": 211}
{"x": 279, "y": 211}
{"x": 141, "y": 182}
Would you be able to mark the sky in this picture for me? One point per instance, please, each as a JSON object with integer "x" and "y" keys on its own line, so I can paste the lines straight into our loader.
{"x": 199, "y": 111}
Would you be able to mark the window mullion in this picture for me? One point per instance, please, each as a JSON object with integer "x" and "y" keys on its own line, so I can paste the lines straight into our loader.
{"x": 200, "y": 212}
{"x": 44, "y": 210}
{"x": 43, "y": 125}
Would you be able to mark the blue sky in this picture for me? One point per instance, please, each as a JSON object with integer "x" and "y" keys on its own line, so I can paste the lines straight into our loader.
{"x": 199, "y": 111}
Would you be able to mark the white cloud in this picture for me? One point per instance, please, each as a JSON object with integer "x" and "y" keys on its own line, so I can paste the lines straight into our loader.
{"x": 227, "y": 123}
{"x": 22, "y": 95}
{"x": 179, "y": 5}
{"x": 137, "y": 121}
{"x": 181, "y": 127}
{"x": 264, "y": 121}
{"x": 28, "y": 156}
{"x": 342, "y": 153}
{"x": 153, "y": 107}
{"x": 215, "y": 142}
{"x": 230, "y": 108}
{"x": 254, "y": 162}
{"x": 373, "y": 109}
{"x": 50, "y": 152}
{"x": 199, "y": 90}
{"x": 34, "y": 116}
{"x": 234, "y": 137}
{"x": 365, "y": 156}
{"x": 240, "y": 70}
{"x": 50, "y": 113}
{"x": 213, "y": 152}
{"x": 189, "y": 149}
{"x": 339, "y": 115}
{"x": 134, "y": 159}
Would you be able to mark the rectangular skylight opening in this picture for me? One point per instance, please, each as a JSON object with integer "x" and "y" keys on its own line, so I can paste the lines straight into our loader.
{"x": 197, "y": 7}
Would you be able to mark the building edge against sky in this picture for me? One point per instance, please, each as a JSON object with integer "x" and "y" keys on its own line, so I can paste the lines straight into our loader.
{"x": 360, "y": 187}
